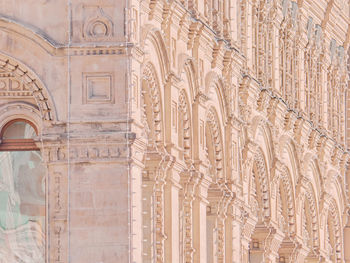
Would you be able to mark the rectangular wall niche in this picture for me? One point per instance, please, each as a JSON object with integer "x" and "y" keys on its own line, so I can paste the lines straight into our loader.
{"x": 98, "y": 88}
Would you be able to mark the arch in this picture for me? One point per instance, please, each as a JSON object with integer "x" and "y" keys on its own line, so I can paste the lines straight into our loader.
{"x": 262, "y": 183}
{"x": 336, "y": 189}
{"x": 219, "y": 195}
{"x": 187, "y": 67}
{"x": 261, "y": 132}
{"x": 313, "y": 209}
{"x": 213, "y": 131}
{"x": 260, "y": 206}
{"x": 313, "y": 173}
{"x": 185, "y": 131}
{"x": 288, "y": 189}
{"x": 33, "y": 86}
{"x": 333, "y": 235}
{"x": 33, "y": 34}
{"x": 288, "y": 155}
{"x": 152, "y": 104}
{"x": 308, "y": 210}
{"x": 149, "y": 33}
{"x": 214, "y": 84}
{"x": 21, "y": 110}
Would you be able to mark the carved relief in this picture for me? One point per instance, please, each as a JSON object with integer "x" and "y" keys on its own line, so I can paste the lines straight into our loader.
{"x": 87, "y": 153}
{"x": 16, "y": 82}
{"x": 98, "y": 88}
{"x": 97, "y": 25}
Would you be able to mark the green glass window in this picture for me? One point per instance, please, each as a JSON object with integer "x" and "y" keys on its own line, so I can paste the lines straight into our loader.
{"x": 22, "y": 196}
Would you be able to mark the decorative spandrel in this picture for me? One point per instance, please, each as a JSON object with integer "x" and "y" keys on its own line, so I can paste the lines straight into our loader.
{"x": 22, "y": 207}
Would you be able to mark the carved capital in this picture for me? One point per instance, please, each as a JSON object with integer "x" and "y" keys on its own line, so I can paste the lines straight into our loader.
{"x": 271, "y": 110}
{"x": 272, "y": 244}
{"x": 263, "y": 100}
{"x": 289, "y": 120}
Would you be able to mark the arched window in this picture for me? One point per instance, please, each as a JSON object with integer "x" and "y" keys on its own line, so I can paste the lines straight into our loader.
{"x": 22, "y": 194}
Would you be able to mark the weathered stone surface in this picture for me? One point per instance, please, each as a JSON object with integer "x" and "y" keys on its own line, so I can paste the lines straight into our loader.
{"x": 185, "y": 131}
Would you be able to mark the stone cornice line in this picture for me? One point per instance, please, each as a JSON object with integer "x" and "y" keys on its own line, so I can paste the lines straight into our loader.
{"x": 298, "y": 115}
{"x": 217, "y": 38}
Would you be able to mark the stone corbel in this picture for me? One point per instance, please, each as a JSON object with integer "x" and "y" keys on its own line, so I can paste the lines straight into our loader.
{"x": 272, "y": 244}
{"x": 228, "y": 61}
{"x": 263, "y": 100}
{"x": 271, "y": 110}
{"x": 313, "y": 138}
{"x": 248, "y": 226}
{"x": 298, "y": 126}
{"x": 336, "y": 156}
{"x": 243, "y": 88}
{"x": 218, "y": 54}
{"x": 300, "y": 253}
{"x": 194, "y": 31}
{"x": 289, "y": 120}
{"x": 167, "y": 14}
{"x": 321, "y": 143}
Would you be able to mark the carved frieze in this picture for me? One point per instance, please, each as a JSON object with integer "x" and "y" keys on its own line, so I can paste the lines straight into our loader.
{"x": 86, "y": 153}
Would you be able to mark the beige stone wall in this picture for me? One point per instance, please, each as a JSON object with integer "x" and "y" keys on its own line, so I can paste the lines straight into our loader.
{"x": 239, "y": 113}
{"x": 71, "y": 57}
{"x": 185, "y": 131}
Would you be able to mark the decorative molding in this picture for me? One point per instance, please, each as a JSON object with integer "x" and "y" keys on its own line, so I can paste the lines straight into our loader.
{"x": 22, "y": 83}
{"x": 98, "y": 88}
{"x": 97, "y": 25}
{"x": 85, "y": 153}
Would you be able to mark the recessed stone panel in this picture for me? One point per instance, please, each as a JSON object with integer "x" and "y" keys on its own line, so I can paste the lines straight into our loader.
{"x": 98, "y": 88}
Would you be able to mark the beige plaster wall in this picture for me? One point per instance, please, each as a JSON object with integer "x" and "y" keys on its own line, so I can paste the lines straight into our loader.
{"x": 73, "y": 57}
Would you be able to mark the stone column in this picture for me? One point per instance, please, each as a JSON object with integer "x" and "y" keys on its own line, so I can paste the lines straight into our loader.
{"x": 200, "y": 220}
{"x": 57, "y": 197}
{"x": 150, "y": 237}
{"x": 247, "y": 230}
{"x": 236, "y": 224}
{"x": 272, "y": 244}
{"x": 189, "y": 182}
{"x": 300, "y": 253}
{"x": 171, "y": 216}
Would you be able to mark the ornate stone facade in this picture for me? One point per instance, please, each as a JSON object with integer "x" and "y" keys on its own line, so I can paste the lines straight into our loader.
{"x": 239, "y": 113}
{"x": 185, "y": 130}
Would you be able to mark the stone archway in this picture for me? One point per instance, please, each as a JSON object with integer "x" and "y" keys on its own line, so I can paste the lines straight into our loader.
{"x": 152, "y": 174}
{"x": 266, "y": 237}
{"x": 18, "y": 82}
{"x": 219, "y": 196}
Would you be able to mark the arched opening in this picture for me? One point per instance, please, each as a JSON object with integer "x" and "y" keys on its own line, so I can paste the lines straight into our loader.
{"x": 215, "y": 225}
{"x": 332, "y": 235}
{"x": 259, "y": 199}
{"x": 152, "y": 173}
{"x": 22, "y": 194}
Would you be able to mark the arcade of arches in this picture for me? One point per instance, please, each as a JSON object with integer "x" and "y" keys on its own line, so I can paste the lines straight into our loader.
{"x": 176, "y": 131}
{"x": 240, "y": 126}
